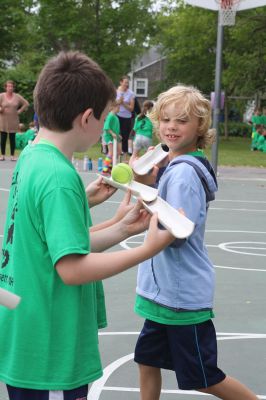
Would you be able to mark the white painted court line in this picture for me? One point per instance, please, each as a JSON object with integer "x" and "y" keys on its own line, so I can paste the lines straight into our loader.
{"x": 220, "y": 335}
{"x": 240, "y": 269}
{"x": 235, "y": 209}
{"x": 99, "y": 386}
{"x": 211, "y": 208}
{"x": 232, "y": 178}
{"x": 234, "y": 247}
{"x": 226, "y": 231}
{"x": 215, "y": 208}
{"x": 164, "y": 391}
{"x": 241, "y": 201}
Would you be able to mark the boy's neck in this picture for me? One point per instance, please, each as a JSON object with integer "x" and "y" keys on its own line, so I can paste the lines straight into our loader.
{"x": 63, "y": 141}
{"x": 195, "y": 153}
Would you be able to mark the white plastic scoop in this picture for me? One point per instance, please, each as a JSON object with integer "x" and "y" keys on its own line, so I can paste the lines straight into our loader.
{"x": 145, "y": 163}
{"x": 8, "y": 299}
{"x": 175, "y": 222}
{"x": 145, "y": 192}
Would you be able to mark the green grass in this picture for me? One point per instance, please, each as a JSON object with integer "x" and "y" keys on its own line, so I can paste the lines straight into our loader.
{"x": 234, "y": 151}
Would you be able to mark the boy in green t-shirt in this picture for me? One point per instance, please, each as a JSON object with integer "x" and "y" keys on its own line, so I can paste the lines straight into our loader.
{"x": 255, "y": 137}
{"x": 23, "y": 137}
{"x": 111, "y": 132}
{"x": 263, "y": 149}
{"x": 19, "y": 137}
{"x": 51, "y": 255}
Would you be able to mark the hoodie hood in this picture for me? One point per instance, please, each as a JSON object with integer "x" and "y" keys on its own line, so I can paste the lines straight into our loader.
{"x": 204, "y": 171}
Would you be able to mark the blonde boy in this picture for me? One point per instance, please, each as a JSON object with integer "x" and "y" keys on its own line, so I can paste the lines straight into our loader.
{"x": 175, "y": 288}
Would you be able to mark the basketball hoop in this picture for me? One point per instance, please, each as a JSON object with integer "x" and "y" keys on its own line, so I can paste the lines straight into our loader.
{"x": 227, "y": 11}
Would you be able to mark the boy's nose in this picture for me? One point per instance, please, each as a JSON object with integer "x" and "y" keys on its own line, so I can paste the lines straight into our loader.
{"x": 172, "y": 125}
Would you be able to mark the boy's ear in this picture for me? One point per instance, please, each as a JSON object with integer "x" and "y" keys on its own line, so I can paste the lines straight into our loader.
{"x": 86, "y": 116}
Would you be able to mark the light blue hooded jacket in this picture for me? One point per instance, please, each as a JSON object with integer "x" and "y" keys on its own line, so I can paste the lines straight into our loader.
{"x": 182, "y": 275}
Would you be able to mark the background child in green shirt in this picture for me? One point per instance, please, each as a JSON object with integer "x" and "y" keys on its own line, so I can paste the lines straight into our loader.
{"x": 111, "y": 136}
{"x": 143, "y": 129}
{"x": 255, "y": 137}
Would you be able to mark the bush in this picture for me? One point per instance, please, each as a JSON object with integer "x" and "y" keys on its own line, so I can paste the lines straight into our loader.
{"x": 240, "y": 129}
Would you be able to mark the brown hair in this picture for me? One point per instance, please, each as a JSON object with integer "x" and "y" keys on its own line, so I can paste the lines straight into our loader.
{"x": 193, "y": 103}
{"x": 69, "y": 84}
{"x": 11, "y": 82}
{"x": 124, "y": 77}
{"x": 147, "y": 106}
{"x": 114, "y": 104}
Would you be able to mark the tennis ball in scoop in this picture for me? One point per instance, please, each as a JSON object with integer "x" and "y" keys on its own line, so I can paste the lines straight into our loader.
{"x": 122, "y": 173}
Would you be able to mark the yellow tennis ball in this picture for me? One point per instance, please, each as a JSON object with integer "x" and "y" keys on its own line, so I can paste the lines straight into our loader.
{"x": 122, "y": 173}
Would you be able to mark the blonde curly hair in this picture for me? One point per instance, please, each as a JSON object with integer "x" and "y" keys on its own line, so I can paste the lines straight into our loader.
{"x": 193, "y": 103}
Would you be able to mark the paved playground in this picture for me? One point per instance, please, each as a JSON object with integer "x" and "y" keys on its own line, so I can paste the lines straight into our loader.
{"x": 236, "y": 241}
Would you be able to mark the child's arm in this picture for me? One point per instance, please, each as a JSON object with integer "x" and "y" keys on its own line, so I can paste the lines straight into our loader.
{"x": 112, "y": 133}
{"x": 133, "y": 223}
{"x": 123, "y": 209}
{"x": 77, "y": 269}
{"x": 97, "y": 192}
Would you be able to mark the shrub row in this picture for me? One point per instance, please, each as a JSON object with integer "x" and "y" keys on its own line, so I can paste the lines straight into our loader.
{"x": 236, "y": 129}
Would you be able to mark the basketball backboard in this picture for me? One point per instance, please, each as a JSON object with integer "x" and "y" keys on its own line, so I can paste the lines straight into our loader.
{"x": 214, "y": 5}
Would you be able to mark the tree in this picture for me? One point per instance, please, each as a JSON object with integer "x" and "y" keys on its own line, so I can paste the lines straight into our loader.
{"x": 189, "y": 46}
{"x": 245, "y": 55}
{"x": 188, "y": 35}
{"x": 12, "y": 30}
{"x": 110, "y": 32}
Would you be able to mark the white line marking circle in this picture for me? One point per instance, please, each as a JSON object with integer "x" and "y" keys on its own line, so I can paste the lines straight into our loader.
{"x": 235, "y": 247}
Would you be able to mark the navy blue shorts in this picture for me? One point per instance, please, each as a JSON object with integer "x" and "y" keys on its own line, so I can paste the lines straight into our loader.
{"x": 190, "y": 351}
{"x": 32, "y": 394}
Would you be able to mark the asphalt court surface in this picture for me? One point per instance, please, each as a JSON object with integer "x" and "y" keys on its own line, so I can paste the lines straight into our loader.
{"x": 236, "y": 242}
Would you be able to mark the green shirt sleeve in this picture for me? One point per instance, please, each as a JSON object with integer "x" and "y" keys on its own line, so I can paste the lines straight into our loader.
{"x": 64, "y": 224}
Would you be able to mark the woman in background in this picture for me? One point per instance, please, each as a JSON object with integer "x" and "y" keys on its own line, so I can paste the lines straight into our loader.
{"x": 126, "y": 101}
{"x": 11, "y": 105}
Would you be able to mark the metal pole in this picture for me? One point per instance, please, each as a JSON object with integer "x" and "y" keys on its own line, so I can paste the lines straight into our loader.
{"x": 114, "y": 160}
{"x": 217, "y": 98}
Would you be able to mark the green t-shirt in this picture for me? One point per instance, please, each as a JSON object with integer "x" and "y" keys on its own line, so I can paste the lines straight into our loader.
{"x": 111, "y": 123}
{"x": 50, "y": 341}
{"x": 255, "y": 137}
{"x": 260, "y": 142}
{"x": 20, "y": 142}
{"x": 143, "y": 127}
{"x": 257, "y": 119}
{"x": 23, "y": 138}
{"x": 164, "y": 315}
